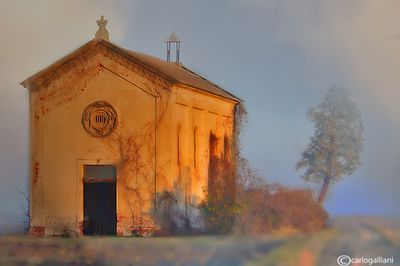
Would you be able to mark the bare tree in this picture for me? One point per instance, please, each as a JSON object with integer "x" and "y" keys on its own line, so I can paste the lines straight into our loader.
{"x": 24, "y": 208}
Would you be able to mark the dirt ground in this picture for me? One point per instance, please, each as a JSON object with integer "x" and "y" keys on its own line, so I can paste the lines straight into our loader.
{"x": 355, "y": 237}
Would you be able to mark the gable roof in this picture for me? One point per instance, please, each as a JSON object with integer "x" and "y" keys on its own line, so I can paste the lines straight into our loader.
{"x": 173, "y": 72}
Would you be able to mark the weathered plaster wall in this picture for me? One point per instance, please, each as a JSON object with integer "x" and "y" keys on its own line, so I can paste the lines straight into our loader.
{"x": 162, "y": 131}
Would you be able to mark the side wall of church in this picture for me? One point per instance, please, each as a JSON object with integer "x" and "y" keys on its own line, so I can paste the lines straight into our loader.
{"x": 183, "y": 165}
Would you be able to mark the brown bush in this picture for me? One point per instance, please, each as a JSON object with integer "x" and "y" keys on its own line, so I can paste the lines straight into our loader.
{"x": 273, "y": 207}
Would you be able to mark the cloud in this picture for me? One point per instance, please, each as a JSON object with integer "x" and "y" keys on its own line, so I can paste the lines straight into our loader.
{"x": 29, "y": 32}
{"x": 353, "y": 44}
{"x": 354, "y": 36}
{"x": 280, "y": 56}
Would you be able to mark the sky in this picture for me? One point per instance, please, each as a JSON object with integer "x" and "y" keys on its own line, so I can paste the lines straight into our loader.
{"x": 281, "y": 57}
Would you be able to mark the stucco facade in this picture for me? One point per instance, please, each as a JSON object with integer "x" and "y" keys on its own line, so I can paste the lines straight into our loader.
{"x": 166, "y": 132}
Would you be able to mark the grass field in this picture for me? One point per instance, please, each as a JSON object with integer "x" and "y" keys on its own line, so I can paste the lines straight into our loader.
{"x": 353, "y": 236}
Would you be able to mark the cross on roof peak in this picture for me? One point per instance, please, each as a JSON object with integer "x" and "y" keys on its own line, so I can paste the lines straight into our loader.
{"x": 102, "y": 31}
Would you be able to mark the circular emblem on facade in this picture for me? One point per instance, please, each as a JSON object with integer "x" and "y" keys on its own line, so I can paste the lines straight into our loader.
{"x": 99, "y": 119}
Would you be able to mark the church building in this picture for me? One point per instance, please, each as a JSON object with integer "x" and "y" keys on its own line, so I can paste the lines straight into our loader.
{"x": 113, "y": 131}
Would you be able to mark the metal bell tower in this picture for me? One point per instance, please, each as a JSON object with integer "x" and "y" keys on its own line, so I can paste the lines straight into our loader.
{"x": 173, "y": 40}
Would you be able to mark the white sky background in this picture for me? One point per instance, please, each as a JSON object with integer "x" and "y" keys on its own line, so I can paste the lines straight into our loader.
{"x": 280, "y": 56}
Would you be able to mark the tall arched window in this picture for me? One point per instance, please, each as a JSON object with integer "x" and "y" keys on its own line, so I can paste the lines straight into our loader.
{"x": 214, "y": 188}
{"x": 178, "y": 145}
{"x": 227, "y": 149}
{"x": 195, "y": 147}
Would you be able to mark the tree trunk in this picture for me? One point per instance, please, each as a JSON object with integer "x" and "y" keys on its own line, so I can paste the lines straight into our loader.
{"x": 324, "y": 190}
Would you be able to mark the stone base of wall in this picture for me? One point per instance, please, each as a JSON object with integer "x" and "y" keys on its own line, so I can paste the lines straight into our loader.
{"x": 36, "y": 231}
{"x": 57, "y": 231}
{"x": 74, "y": 231}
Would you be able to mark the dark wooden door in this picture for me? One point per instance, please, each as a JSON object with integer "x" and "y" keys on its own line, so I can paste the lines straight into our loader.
{"x": 99, "y": 203}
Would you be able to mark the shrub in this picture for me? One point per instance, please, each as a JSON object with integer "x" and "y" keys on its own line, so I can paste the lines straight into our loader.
{"x": 273, "y": 207}
{"x": 166, "y": 213}
{"x": 219, "y": 216}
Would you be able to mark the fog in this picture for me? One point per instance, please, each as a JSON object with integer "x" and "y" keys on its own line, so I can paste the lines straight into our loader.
{"x": 279, "y": 56}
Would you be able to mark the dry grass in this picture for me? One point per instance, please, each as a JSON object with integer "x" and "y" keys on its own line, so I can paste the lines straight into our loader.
{"x": 355, "y": 235}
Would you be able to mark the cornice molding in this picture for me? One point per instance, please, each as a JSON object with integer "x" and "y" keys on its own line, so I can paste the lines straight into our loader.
{"x": 80, "y": 62}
